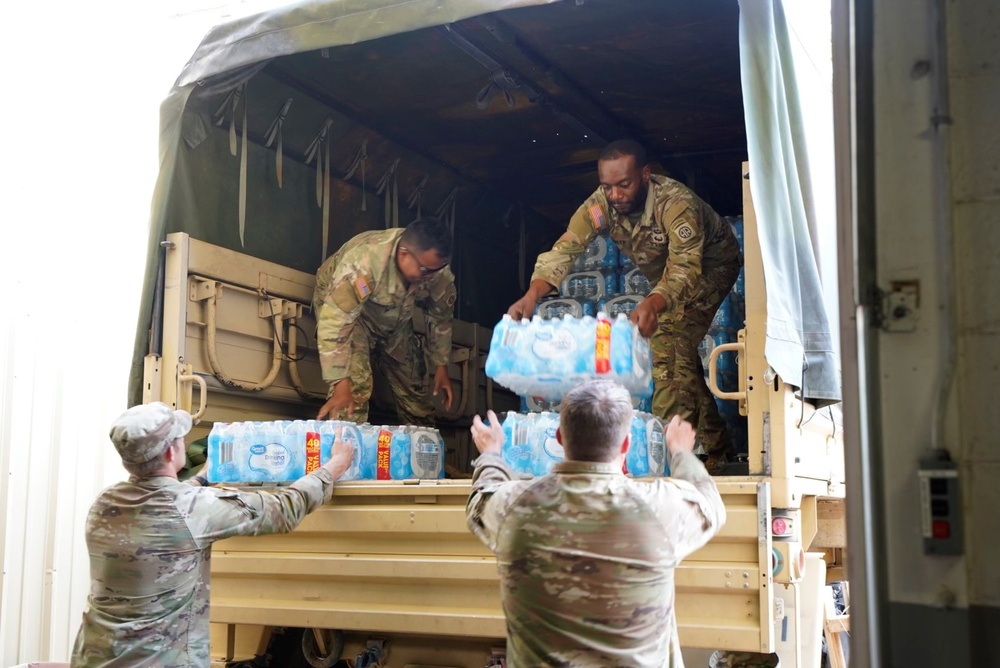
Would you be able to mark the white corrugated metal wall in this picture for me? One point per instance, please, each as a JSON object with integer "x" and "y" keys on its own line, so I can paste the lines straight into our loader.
{"x": 81, "y": 119}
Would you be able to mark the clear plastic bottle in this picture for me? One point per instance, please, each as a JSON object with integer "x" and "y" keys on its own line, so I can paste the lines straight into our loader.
{"x": 401, "y": 453}
{"x": 546, "y": 451}
{"x": 369, "y": 450}
{"x": 427, "y": 453}
{"x": 221, "y": 461}
{"x": 646, "y": 456}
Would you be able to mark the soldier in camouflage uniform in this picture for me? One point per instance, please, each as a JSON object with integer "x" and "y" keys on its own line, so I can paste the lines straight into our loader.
{"x": 150, "y": 540}
{"x": 364, "y": 300}
{"x": 690, "y": 256}
{"x": 586, "y": 555}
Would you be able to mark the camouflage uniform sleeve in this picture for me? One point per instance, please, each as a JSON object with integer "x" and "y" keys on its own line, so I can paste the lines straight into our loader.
{"x": 689, "y": 504}
{"x": 589, "y": 219}
{"x": 687, "y": 239}
{"x": 439, "y": 308}
{"x": 489, "y": 499}
{"x": 337, "y": 311}
{"x": 215, "y": 513}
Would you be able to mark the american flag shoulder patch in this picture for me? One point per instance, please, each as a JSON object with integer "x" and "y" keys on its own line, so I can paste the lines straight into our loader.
{"x": 596, "y": 216}
{"x": 361, "y": 287}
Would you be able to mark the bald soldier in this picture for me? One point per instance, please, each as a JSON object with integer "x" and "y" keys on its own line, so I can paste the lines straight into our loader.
{"x": 586, "y": 555}
{"x": 689, "y": 255}
{"x": 364, "y": 300}
{"x": 150, "y": 543}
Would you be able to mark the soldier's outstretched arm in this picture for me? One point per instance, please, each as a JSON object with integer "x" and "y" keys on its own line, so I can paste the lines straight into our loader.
{"x": 553, "y": 266}
{"x": 491, "y": 482}
{"x": 690, "y": 507}
{"x": 221, "y": 512}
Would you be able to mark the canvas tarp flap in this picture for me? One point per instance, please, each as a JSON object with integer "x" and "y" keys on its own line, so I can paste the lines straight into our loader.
{"x": 237, "y": 49}
{"x": 317, "y": 24}
{"x": 799, "y": 344}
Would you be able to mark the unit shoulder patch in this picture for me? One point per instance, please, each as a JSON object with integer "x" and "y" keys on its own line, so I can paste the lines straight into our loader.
{"x": 685, "y": 231}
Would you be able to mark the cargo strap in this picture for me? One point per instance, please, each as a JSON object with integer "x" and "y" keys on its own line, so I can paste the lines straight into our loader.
{"x": 359, "y": 161}
{"x": 274, "y": 133}
{"x": 320, "y": 150}
{"x": 446, "y": 212}
{"x": 417, "y": 195}
{"x": 231, "y": 103}
{"x": 389, "y": 185}
{"x": 500, "y": 81}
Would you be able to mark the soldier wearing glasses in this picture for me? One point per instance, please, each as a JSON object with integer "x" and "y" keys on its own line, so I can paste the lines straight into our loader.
{"x": 364, "y": 300}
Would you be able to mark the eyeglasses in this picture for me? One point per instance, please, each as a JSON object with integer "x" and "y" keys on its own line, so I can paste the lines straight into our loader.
{"x": 424, "y": 271}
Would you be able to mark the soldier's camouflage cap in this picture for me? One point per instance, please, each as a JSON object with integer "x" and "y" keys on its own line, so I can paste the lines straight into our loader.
{"x": 143, "y": 432}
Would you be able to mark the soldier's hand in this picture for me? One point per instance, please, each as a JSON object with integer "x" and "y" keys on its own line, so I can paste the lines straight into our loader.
{"x": 341, "y": 455}
{"x": 442, "y": 383}
{"x": 487, "y": 438}
{"x": 644, "y": 315}
{"x": 523, "y": 307}
{"x": 340, "y": 399}
{"x": 679, "y": 435}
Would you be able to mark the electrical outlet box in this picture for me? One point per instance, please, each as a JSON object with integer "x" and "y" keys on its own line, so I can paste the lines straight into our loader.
{"x": 940, "y": 507}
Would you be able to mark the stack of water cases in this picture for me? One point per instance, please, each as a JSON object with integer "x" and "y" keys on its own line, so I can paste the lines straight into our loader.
{"x": 283, "y": 451}
{"x": 531, "y": 449}
{"x": 729, "y": 319}
{"x": 602, "y": 279}
{"x": 547, "y": 358}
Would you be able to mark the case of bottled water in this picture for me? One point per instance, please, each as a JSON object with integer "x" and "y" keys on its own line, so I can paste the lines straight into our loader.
{"x": 240, "y": 452}
{"x": 283, "y": 451}
{"x": 614, "y": 305}
{"x": 531, "y": 449}
{"x": 405, "y": 452}
{"x": 634, "y": 282}
{"x": 600, "y": 254}
{"x": 589, "y": 285}
{"x": 545, "y": 358}
{"x": 557, "y": 307}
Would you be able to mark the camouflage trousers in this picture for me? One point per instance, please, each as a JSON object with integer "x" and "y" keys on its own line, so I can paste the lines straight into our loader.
{"x": 399, "y": 359}
{"x": 679, "y": 386}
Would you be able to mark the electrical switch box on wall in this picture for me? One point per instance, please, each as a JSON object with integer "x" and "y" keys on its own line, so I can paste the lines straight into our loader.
{"x": 940, "y": 512}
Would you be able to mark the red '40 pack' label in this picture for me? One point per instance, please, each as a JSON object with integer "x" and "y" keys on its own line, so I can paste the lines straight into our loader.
{"x": 312, "y": 451}
{"x": 382, "y": 455}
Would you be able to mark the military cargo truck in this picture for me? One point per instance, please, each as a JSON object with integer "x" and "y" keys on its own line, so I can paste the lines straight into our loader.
{"x": 290, "y": 132}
